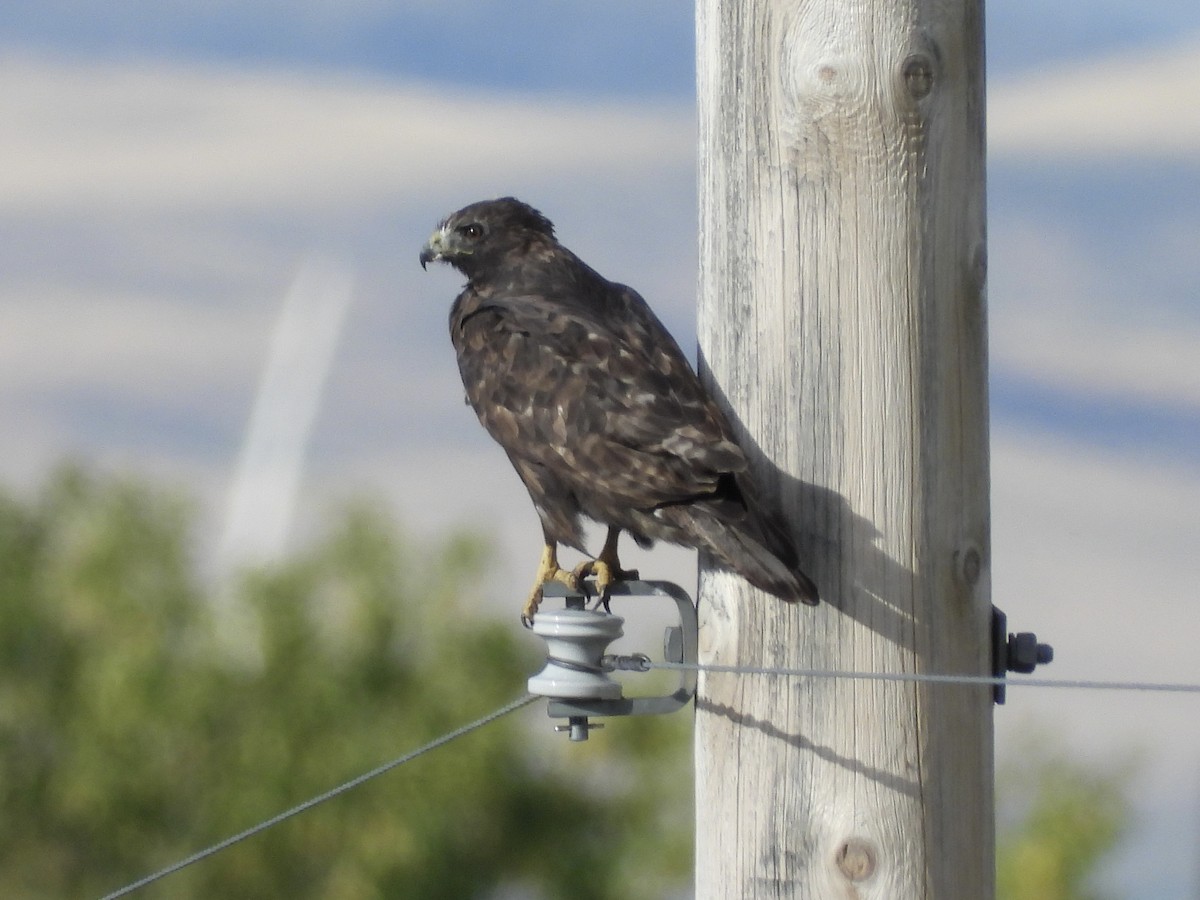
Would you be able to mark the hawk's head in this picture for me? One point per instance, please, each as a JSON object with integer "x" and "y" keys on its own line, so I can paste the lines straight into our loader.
{"x": 480, "y": 236}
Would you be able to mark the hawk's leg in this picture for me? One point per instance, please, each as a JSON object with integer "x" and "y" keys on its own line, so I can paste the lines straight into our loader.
{"x": 606, "y": 567}
{"x": 548, "y": 570}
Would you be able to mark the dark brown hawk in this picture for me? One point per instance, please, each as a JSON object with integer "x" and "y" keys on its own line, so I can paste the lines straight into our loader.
{"x": 597, "y": 407}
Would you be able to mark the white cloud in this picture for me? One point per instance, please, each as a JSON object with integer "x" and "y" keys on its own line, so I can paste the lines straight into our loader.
{"x": 1060, "y": 316}
{"x": 1140, "y": 103}
{"x": 58, "y": 339}
{"x": 1139, "y": 363}
{"x": 140, "y": 137}
{"x": 156, "y": 213}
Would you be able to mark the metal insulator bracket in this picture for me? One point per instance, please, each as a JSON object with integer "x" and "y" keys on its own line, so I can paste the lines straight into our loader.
{"x": 575, "y": 677}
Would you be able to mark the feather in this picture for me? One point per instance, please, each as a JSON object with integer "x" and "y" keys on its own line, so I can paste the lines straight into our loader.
{"x": 595, "y": 404}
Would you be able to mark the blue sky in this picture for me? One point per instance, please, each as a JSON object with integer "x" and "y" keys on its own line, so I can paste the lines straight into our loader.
{"x": 526, "y": 44}
{"x": 1135, "y": 272}
{"x": 167, "y": 170}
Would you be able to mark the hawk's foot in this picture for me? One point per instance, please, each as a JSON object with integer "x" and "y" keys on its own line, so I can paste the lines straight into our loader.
{"x": 607, "y": 572}
{"x": 548, "y": 570}
{"x": 606, "y": 568}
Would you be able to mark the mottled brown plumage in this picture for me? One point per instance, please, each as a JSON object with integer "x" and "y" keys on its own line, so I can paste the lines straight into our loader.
{"x": 598, "y": 409}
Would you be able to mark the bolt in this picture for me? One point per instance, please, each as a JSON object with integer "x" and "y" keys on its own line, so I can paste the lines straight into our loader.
{"x": 1025, "y": 653}
{"x": 577, "y": 728}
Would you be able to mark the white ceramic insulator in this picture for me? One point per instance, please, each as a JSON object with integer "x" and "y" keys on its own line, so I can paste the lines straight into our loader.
{"x": 578, "y": 636}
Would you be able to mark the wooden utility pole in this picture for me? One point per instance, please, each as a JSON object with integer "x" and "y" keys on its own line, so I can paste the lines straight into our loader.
{"x": 842, "y": 322}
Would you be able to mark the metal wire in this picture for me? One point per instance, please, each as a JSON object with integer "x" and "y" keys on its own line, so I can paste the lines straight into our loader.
{"x": 328, "y": 795}
{"x": 1078, "y": 684}
{"x": 1007, "y": 681}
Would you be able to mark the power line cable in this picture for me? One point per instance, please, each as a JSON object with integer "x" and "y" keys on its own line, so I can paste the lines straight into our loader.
{"x": 1007, "y": 681}
{"x": 645, "y": 664}
{"x": 321, "y": 798}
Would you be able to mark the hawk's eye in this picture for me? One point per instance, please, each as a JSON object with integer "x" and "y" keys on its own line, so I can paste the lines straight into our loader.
{"x": 474, "y": 230}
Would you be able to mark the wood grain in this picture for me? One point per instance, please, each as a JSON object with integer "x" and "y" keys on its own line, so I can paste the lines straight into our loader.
{"x": 842, "y": 322}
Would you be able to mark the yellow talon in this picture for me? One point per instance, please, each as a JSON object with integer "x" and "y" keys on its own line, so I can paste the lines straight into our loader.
{"x": 548, "y": 570}
{"x": 606, "y": 567}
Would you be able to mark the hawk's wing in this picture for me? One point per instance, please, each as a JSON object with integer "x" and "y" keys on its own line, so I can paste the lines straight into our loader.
{"x": 600, "y": 394}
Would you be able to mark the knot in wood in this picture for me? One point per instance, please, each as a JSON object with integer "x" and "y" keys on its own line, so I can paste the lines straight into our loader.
{"x": 856, "y": 859}
{"x": 970, "y": 564}
{"x": 979, "y": 264}
{"x": 917, "y": 71}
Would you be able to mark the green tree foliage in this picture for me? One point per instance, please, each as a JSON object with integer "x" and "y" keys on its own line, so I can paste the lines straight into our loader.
{"x": 130, "y": 735}
{"x": 134, "y": 732}
{"x": 1059, "y": 817}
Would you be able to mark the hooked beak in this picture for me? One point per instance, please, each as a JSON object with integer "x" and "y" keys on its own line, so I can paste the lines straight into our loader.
{"x": 434, "y": 248}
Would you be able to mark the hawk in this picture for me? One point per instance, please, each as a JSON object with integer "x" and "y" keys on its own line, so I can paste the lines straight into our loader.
{"x": 597, "y": 408}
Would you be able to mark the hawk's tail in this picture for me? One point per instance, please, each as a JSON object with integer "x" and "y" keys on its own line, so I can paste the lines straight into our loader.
{"x": 756, "y": 549}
